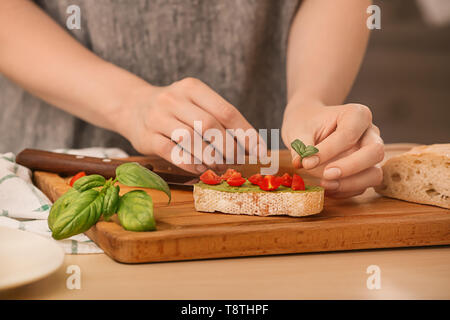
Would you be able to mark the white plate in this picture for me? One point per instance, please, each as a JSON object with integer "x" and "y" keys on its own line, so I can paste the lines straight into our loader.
{"x": 26, "y": 257}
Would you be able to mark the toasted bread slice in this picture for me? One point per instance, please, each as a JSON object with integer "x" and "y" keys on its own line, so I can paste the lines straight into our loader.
{"x": 420, "y": 175}
{"x": 259, "y": 203}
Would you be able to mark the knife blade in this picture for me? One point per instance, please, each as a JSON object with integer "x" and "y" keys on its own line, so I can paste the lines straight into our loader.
{"x": 68, "y": 164}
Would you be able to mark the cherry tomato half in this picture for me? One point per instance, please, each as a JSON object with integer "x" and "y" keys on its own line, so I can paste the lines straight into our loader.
{"x": 285, "y": 180}
{"x": 256, "y": 179}
{"x": 297, "y": 183}
{"x": 269, "y": 183}
{"x": 227, "y": 174}
{"x": 210, "y": 177}
{"x": 76, "y": 177}
{"x": 236, "y": 180}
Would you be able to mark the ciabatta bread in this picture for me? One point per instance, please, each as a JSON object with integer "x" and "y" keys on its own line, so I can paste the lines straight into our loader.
{"x": 420, "y": 175}
{"x": 268, "y": 203}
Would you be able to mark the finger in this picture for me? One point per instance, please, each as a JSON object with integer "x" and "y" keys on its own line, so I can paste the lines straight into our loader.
{"x": 185, "y": 136}
{"x": 164, "y": 147}
{"x": 207, "y": 99}
{"x": 189, "y": 113}
{"x": 296, "y": 161}
{"x": 318, "y": 171}
{"x": 352, "y": 123}
{"x": 370, "y": 153}
{"x": 368, "y": 178}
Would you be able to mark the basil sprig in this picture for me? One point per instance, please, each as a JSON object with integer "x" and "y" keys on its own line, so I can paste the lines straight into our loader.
{"x": 93, "y": 196}
{"x": 303, "y": 150}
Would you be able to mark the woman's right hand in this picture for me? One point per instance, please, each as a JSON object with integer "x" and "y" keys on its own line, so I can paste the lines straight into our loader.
{"x": 152, "y": 114}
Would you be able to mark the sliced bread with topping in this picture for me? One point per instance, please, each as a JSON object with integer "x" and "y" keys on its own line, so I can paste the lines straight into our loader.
{"x": 251, "y": 200}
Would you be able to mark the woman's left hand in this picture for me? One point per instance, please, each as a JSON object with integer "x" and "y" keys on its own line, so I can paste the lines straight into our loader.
{"x": 350, "y": 146}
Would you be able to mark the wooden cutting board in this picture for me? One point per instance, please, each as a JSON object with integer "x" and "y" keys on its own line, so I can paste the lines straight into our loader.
{"x": 365, "y": 222}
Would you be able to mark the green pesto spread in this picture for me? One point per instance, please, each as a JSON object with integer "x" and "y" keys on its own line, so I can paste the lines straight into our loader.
{"x": 249, "y": 187}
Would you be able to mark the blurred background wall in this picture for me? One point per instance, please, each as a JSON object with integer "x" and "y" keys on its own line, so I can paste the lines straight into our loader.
{"x": 405, "y": 77}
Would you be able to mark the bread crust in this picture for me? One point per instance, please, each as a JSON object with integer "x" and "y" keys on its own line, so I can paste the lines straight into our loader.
{"x": 421, "y": 175}
{"x": 294, "y": 204}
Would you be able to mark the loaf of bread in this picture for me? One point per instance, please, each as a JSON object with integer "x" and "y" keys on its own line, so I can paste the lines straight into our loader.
{"x": 269, "y": 203}
{"x": 420, "y": 175}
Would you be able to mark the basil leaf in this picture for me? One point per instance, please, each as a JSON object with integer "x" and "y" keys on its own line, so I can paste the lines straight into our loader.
{"x": 298, "y": 146}
{"x": 132, "y": 174}
{"x": 111, "y": 201}
{"x": 309, "y": 151}
{"x": 302, "y": 150}
{"x": 136, "y": 211}
{"x": 61, "y": 204}
{"x": 79, "y": 216}
{"x": 89, "y": 182}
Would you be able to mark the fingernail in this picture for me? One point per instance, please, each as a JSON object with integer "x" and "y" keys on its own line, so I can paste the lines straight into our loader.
{"x": 332, "y": 173}
{"x": 330, "y": 184}
{"x": 200, "y": 168}
{"x": 310, "y": 162}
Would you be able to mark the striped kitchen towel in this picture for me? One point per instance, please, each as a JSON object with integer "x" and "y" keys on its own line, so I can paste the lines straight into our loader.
{"x": 23, "y": 206}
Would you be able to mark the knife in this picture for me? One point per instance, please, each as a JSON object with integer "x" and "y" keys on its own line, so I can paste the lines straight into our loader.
{"x": 68, "y": 164}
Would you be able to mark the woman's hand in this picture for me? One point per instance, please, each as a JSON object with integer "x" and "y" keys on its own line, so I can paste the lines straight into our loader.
{"x": 152, "y": 114}
{"x": 349, "y": 145}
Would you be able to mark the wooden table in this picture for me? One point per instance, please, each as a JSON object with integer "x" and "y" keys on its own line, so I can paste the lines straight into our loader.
{"x": 416, "y": 273}
{"x": 409, "y": 273}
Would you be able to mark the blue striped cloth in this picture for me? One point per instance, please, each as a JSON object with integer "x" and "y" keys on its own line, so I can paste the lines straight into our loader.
{"x": 23, "y": 206}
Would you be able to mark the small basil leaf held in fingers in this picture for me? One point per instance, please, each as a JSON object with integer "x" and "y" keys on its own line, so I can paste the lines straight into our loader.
{"x": 89, "y": 182}
{"x": 132, "y": 174}
{"x": 136, "y": 211}
{"x": 298, "y": 146}
{"x": 79, "y": 216}
{"x": 60, "y": 205}
{"x": 303, "y": 150}
{"x": 111, "y": 201}
{"x": 309, "y": 151}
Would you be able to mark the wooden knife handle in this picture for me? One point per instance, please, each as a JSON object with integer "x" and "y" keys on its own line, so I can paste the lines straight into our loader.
{"x": 67, "y": 164}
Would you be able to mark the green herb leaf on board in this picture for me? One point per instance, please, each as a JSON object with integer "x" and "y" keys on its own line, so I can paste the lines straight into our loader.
{"x": 89, "y": 182}
{"x": 111, "y": 201}
{"x": 81, "y": 214}
{"x": 134, "y": 175}
{"x": 136, "y": 211}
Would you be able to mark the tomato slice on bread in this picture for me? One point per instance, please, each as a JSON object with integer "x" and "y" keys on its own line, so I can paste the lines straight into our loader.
{"x": 256, "y": 179}
{"x": 285, "y": 180}
{"x": 227, "y": 174}
{"x": 236, "y": 180}
{"x": 210, "y": 177}
{"x": 297, "y": 183}
{"x": 269, "y": 183}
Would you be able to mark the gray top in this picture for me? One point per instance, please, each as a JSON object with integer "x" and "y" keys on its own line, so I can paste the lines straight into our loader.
{"x": 237, "y": 47}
